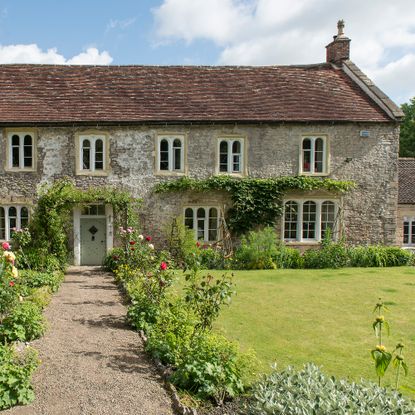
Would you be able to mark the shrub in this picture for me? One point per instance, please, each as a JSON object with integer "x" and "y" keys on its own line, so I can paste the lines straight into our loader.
{"x": 15, "y": 376}
{"x": 309, "y": 391}
{"x": 258, "y": 250}
{"x": 379, "y": 256}
{"x": 213, "y": 368}
{"x": 211, "y": 257}
{"x": 287, "y": 257}
{"x": 114, "y": 259}
{"x": 40, "y": 296}
{"x": 38, "y": 259}
{"x": 169, "y": 338}
{"x": 36, "y": 279}
{"x": 24, "y": 323}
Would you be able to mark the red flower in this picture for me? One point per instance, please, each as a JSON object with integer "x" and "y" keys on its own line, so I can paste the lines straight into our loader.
{"x": 132, "y": 248}
{"x": 163, "y": 266}
{"x": 132, "y": 242}
{"x": 148, "y": 238}
{"x": 198, "y": 244}
{"x": 5, "y": 246}
{"x": 11, "y": 283}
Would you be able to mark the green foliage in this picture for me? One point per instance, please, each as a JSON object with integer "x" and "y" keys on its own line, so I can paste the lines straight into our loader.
{"x": 25, "y": 323}
{"x": 287, "y": 257}
{"x": 36, "y": 279}
{"x": 169, "y": 337}
{"x": 113, "y": 259}
{"x": 206, "y": 295}
{"x": 38, "y": 259}
{"x": 9, "y": 294}
{"x": 52, "y": 217}
{"x": 407, "y": 138}
{"x": 330, "y": 255}
{"x": 21, "y": 238}
{"x": 213, "y": 368}
{"x": 309, "y": 391}
{"x": 258, "y": 250}
{"x": 255, "y": 202}
{"x": 15, "y": 376}
{"x": 379, "y": 256}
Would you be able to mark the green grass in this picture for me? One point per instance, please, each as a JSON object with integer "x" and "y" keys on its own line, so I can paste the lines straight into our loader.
{"x": 323, "y": 316}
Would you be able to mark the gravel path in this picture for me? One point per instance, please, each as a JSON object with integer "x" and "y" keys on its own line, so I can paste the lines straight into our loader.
{"x": 91, "y": 362}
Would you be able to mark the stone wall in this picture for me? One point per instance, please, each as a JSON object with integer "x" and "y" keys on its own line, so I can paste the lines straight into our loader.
{"x": 369, "y": 211}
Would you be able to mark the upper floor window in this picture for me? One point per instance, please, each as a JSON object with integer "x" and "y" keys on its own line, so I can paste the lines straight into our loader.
{"x": 231, "y": 157}
{"x": 170, "y": 150}
{"x": 309, "y": 220}
{"x": 21, "y": 150}
{"x": 92, "y": 154}
{"x": 409, "y": 231}
{"x": 11, "y": 219}
{"x": 204, "y": 221}
{"x": 314, "y": 155}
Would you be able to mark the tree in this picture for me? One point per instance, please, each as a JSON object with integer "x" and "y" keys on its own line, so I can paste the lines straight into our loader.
{"x": 407, "y": 138}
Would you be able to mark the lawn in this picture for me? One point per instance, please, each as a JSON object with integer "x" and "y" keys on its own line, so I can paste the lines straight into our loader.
{"x": 323, "y": 316}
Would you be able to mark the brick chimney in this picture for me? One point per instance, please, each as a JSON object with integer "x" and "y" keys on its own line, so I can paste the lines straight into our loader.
{"x": 339, "y": 49}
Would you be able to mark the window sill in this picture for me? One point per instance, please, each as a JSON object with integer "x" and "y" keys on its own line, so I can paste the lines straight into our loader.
{"x": 296, "y": 243}
{"x": 314, "y": 174}
{"x": 222, "y": 173}
{"x": 93, "y": 173}
{"x": 169, "y": 173}
{"x": 18, "y": 170}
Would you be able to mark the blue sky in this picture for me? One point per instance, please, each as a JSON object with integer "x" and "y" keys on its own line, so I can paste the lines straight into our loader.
{"x": 211, "y": 32}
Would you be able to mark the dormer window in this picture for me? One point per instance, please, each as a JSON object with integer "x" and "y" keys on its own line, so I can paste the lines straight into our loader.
{"x": 21, "y": 151}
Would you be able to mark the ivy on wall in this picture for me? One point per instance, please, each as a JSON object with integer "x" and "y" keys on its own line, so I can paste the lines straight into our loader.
{"x": 255, "y": 202}
{"x": 52, "y": 217}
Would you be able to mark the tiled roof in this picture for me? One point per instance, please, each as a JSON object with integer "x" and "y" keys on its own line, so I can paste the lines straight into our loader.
{"x": 122, "y": 94}
{"x": 406, "y": 181}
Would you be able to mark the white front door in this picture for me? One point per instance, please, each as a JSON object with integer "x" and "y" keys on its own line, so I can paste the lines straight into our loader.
{"x": 93, "y": 240}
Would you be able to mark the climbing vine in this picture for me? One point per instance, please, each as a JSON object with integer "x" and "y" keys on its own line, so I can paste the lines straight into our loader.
{"x": 52, "y": 217}
{"x": 255, "y": 202}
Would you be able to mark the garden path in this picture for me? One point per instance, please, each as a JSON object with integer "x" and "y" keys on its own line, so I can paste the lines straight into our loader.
{"x": 92, "y": 363}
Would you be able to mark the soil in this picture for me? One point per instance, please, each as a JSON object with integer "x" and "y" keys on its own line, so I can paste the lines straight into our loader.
{"x": 92, "y": 363}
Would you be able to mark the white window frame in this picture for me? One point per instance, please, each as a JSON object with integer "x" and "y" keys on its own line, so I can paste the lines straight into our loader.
{"x": 170, "y": 138}
{"x": 410, "y": 220}
{"x": 7, "y": 229}
{"x": 9, "y": 159}
{"x": 231, "y": 154}
{"x": 313, "y": 139}
{"x": 206, "y": 224}
{"x": 93, "y": 138}
{"x": 319, "y": 203}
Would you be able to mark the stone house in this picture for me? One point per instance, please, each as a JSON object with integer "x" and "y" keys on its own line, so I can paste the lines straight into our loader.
{"x": 405, "y": 234}
{"x": 136, "y": 126}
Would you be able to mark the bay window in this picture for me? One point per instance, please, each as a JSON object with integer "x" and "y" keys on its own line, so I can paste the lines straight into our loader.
{"x": 204, "y": 221}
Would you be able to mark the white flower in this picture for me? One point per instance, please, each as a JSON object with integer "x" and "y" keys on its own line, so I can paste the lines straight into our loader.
{"x": 140, "y": 237}
{"x": 151, "y": 246}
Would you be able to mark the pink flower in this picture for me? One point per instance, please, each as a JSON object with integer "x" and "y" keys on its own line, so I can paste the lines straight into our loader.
{"x": 163, "y": 266}
{"x": 148, "y": 238}
{"x": 11, "y": 283}
{"x": 5, "y": 246}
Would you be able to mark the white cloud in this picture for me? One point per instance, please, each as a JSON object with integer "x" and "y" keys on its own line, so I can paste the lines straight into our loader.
{"x": 33, "y": 54}
{"x": 295, "y": 31}
{"x": 120, "y": 24}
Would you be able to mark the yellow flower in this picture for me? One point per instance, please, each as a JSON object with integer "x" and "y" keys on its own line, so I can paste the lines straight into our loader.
{"x": 9, "y": 256}
{"x": 15, "y": 273}
{"x": 381, "y": 348}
